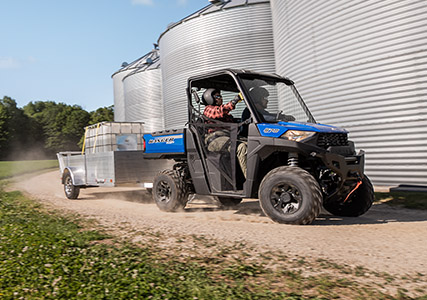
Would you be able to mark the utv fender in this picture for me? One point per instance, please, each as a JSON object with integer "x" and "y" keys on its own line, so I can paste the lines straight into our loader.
{"x": 264, "y": 147}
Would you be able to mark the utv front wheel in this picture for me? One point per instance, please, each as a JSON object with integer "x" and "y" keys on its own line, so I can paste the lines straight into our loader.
{"x": 357, "y": 204}
{"x": 71, "y": 191}
{"x": 290, "y": 195}
{"x": 169, "y": 191}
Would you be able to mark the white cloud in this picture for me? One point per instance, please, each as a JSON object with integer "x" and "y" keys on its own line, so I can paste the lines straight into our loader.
{"x": 31, "y": 59}
{"x": 143, "y": 2}
{"x": 182, "y": 2}
{"x": 13, "y": 63}
{"x": 9, "y": 63}
{"x": 151, "y": 2}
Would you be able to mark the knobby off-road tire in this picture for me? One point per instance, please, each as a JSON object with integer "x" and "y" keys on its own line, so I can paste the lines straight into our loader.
{"x": 228, "y": 201}
{"x": 359, "y": 202}
{"x": 71, "y": 191}
{"x": 290, "y": 195}
{"x": 170, "y": 191}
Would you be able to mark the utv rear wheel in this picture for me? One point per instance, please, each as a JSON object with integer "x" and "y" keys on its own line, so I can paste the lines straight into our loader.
{"x": 71, "y": 191}
{"x": 357, "y": 204}
{"x": 169, "y": 191}
{"x": 290, "y": 195}
{"x": 228, "y": 201}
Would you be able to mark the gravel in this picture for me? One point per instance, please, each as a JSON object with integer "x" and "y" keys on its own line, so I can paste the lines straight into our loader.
{"x": 385, "y": 239}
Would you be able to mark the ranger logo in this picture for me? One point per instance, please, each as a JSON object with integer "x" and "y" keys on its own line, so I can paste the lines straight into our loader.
{"x": 271, "y": 130}
{"x": 167, "y": 140}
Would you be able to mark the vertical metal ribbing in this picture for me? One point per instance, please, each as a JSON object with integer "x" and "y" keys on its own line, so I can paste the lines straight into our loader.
{"x": 119, "y": 98}
{"x": 362, "y": 65}
{"x": 119, "y": 92}
{"x": 143, "y": 98}
{"x": 238, "y": 36}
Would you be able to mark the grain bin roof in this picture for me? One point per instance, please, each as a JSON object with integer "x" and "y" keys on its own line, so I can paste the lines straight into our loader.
{"x": 144, "y": 62}
{"x": 214, "y": 8}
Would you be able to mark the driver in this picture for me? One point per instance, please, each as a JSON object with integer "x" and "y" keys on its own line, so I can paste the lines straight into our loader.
{"x": 218, "y": 140}
{"x": 260, "y": 97}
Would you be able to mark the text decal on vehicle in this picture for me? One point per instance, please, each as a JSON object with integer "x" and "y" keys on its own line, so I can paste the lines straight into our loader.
{"x": 271, "y": 130}
{"x": 167, "y": 140}
{"x": 171, "y": 143}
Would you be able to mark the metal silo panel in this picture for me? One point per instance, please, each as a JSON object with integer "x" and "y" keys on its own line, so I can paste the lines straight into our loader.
{"x": 119, "y": 99}
{"x": 239, "y": 36}
{"x": 362, "y": 65}
{"x": 143, "y": 99}
{"x": 141, "y": 63}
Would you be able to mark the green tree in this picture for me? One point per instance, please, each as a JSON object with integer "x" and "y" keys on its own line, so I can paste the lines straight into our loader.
{"x": 102, "y": 114}
{"x": 4, "y": 132}
{"x": 14, "y": 127}
{"x": 62, "y": 125}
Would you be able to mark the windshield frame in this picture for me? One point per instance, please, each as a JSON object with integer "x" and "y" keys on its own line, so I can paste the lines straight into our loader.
{"x": 274, "y": 79}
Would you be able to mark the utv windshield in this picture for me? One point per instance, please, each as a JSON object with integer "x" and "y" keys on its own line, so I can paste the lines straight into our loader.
{"x": 275, "y": 100}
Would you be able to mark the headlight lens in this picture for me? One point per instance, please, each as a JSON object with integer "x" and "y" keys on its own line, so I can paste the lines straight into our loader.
{"x": 298, "y": 135}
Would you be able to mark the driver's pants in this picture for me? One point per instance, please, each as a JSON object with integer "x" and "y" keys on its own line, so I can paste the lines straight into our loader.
{"x": 217, "y": 142}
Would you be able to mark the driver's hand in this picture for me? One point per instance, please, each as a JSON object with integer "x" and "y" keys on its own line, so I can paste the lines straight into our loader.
{"x": 286, "y": 117}
{"x": 236, "y": 99}
{"x": 289, "y": 118}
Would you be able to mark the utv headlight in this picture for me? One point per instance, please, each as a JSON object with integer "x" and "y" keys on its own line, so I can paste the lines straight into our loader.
{"x": 298, "y": 135}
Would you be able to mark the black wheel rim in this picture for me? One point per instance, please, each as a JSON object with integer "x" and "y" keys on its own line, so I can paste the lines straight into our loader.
{"x": 285, "y": 198}
{"x": 163, "y": 191}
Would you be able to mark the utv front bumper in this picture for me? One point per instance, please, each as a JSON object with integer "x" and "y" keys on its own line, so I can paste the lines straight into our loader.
{"x": 348, "y": 167}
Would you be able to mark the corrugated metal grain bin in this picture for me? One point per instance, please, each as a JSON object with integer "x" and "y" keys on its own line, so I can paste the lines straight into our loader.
{"x": 119, "y": 92}
{"x": 143, "y": 96}
{"x": 237, "y": 34}
{"x": 362, "y": 65}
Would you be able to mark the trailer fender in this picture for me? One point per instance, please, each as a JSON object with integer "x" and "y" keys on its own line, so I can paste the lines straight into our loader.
{"x": 77, "y": 176}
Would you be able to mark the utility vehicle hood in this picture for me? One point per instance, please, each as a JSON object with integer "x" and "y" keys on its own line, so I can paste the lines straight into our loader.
{"x": 276, "y": 130}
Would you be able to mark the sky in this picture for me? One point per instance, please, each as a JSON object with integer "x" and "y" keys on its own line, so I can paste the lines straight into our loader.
{"x": 67, "y": 50}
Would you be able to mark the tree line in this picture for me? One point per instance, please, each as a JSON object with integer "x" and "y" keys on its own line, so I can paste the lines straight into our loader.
{"x": 42, "y": 128}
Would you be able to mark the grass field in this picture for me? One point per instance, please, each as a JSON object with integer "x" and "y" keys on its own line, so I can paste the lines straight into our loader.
{"x": 13, "y": 168}
{"x": 45, "y": 256}
{"x": 412, "y": 200}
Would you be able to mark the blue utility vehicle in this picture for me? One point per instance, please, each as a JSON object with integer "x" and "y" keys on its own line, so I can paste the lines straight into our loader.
{"x": 295, "y": 166}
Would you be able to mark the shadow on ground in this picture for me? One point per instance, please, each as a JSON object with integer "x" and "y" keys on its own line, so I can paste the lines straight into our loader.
{"x": 139, "y": 196}
{"x": 380, "y": 213}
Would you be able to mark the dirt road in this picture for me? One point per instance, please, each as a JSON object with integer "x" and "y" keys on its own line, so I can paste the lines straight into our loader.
{"x": 384, "y": 240}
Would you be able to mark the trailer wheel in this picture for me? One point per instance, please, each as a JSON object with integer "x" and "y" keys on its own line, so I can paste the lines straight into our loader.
{"x": 359, "y": 202}
{"x": 290, "y": 195}
{"x": 71, "y": 191}
{"x": 228, "y": 201}
{"x": 170, "y": 191}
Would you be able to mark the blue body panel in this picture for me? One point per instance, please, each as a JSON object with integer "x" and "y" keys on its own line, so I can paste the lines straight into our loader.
{"x": 168, "y": 143}
{"x": 276, "y": 130}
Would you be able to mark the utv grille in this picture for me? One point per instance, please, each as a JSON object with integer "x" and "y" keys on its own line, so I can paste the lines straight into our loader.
{"x": 332, "y": 139}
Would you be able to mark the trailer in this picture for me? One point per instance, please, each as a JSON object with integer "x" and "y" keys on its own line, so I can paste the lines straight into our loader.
{"x": 112, "y": 155}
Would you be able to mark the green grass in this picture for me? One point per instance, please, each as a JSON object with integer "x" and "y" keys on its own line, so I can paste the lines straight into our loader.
{"x": 52, "y": 257}
{"x": 411, "y": 200}
{"x": 13, "y": 168}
